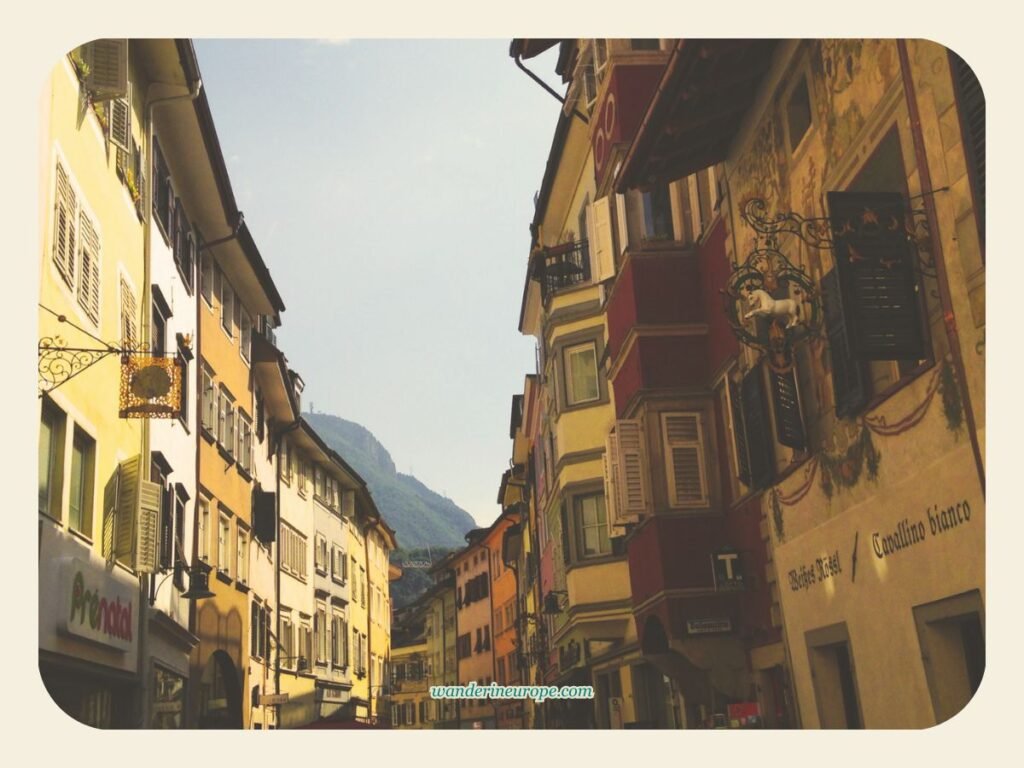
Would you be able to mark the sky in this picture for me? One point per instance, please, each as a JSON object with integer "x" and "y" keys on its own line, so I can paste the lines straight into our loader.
{"x": 389, "y": 187}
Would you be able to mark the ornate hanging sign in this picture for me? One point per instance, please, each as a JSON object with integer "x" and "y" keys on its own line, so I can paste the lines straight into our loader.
{"x": 769, "y": 289}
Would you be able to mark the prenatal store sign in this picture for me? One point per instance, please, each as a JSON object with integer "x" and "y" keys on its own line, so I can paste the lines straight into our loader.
{"x": 96, "y": 607}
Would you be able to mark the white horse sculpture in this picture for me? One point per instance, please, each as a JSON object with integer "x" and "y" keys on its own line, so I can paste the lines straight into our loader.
{"x": 763, "y": 305}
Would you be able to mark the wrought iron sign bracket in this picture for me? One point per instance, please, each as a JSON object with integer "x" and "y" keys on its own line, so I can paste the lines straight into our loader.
{"x": 59, "y": 363}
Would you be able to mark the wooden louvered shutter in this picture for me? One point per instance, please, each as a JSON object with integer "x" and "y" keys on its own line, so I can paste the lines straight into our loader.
{"x": 148, "y": 528}
{"x": 789, "y": 421}
{"x": 971, "y": 104}
{"x": 877, "y": 276}
{"x": 129, "y": 324}
{"x": 121, "y": 128}
{"x": 111, "y": 494}
{"x": 564, "y": 521}
{"x": 602, "y": 247}
{"x": 758, "y": 431}
{"x": 849, "y": 377}
{"x": 632, "y": 482}
{"x": 130, "y": 474}
{"x": 65, "y": 226}
{"x": 89, "y": 280}
{"x": 739, "y": 432}
{"x": 683, "y": 440}
{"x": 108, "y": 68}
{"x": 166, "y": 528}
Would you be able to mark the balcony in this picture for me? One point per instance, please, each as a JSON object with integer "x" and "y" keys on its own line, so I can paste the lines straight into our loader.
{"x": 562, "y": 266}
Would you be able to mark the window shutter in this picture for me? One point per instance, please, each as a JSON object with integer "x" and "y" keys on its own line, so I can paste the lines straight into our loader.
{"x": 602, "y": 247}
{"x": 264, "y": 515}
{"x": 789, "y": 422}
{"x": 877, "y": 276}
{"x": 128, "y": 315}
{"x": 739, "y": 433}
{"x": 89, "y": 284}
{"x": 121, "y": 127}
{"x": 65, "y": 226}
{"x": 633, "y": 498}
{"x": 971, "y": 103}
{"x": 148, "y": 528}
{"x": 849, "y": 379}
{"x": 759, "y": 442}
{"x": 166, "y": 528}
{"x": 129, "y": 475}
{"x": 108, "y": 68}
{"x": 683, "y": 437}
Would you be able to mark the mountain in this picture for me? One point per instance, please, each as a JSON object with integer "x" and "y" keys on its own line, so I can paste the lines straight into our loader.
{"x": 419, "y": 516}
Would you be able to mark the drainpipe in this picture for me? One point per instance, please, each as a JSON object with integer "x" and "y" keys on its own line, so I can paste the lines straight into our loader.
{"x": 146, "y": 580}
{"x": 945, "y": 299}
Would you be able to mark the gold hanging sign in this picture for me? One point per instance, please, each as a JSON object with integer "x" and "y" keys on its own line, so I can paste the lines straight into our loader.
{"x": 151, "y": 386}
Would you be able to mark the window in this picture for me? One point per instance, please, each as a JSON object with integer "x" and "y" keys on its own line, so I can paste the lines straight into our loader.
{"x": 65, "y": 226}
{"x": 287, "y": 643}
{"x": 244, "y": 442}
{"x": 305, "y": 649}
{"x": 683, "y": 439}
{"x": 798, "y": 113}
{"x": 500, "y": 676}
{"x": 83, "y": 449}
{"x": 206, "y": 268}
{"x": 284, "y": 466}
{"x": 339, "y": 641}
{"x": 645, "y": 44}
{"x": 971, "y": 108}
{"x": 581, "y": 374}
{"x": 293, "y": 549}
{"x": 245, "y": 336}
{"x": 204, "y": 529}
{"x": 463, "y": 646}
{"x": 592, "y": 524}
{"x": 320, "y": 554}
{"x": 242, "y": 555}
{"x": 51, "y": 458}
{"x": 159, "y": 330}
{"x": 752, "y": 432}
{"x": 657, "y": 208}
{"x": 259, "y": 629}
{"x": 952, "y": 637}
{"x": 168, "y": 699}
{"x": 224, "y": 545}
{"x": 129, "y": 314}
{"x": 211, "y": 413}
{"x": 89, "y": 272}
{"x": 227, "y": 298}
{"x": 832, "y": 673}
{"x": 362, "y": 586}
{"x": 339, "y": 565}
{"x": 226, "y": 421}
{"x": 320, "y": 633}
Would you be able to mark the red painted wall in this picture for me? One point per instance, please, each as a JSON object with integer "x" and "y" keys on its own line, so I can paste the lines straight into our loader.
{"x": 714, "y": 276}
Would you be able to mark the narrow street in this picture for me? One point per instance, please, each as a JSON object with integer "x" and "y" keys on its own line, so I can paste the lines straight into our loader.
{"x": 648, "y": 393}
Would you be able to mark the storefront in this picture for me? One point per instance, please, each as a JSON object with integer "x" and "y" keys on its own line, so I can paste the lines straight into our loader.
{"x": 88, "y": 638}
{"x": 884, "y": 603}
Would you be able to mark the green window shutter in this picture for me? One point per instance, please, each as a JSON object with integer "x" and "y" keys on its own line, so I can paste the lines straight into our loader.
{"x": 759, "y": 439}
{"x": 849, "y": 378}
{"x": 789, "y": 422}
{"x": 877, "y": 276}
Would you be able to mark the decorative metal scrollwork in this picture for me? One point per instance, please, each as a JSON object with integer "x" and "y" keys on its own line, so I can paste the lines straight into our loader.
{"x": 816, "y": 232}
{"x": 59, "y": 363}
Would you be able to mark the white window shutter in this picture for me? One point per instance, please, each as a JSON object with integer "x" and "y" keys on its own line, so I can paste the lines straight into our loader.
{"x": 601, "y": 246}
{"x": 623, "y": 226}
{"x": 129, "y": 326}
{"x": 89, "y": 282}
{"x": 108, "y": 68}
{"x": 65, "y": 226}
{"x": 147, "y": 541}
{"x": 683, "y": 439}
{"x": 634, "y": 499}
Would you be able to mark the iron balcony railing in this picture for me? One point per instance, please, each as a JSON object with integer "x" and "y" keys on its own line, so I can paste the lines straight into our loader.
{"x": 562, "y": 266}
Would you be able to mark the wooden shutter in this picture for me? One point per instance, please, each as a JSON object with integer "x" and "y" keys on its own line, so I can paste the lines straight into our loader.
{"x": 129, "y": 324}
{"x": 789, "y": 421}
{"x": 739, "y": 433}
{"x": 877, "y": 276}
{"x": 108, "y": 68}
{"x": 129, "y": 475}
{"x": 633, "y": 498}
{"x": 121, "y": 128}
{"x": 622, "y": 224}
{"x": 971, "y": 104}
{"x": 683, "y": 439}
{"x": 89, "y": 280}
{"x": 148, "y": 528}
{"x": 65, "y": 226}
{"x": 564, "y": 520}
{"x": 849, "y": 377}
{"x": 166, "y": 528}
{"x": 758, "y": 432}
{"x": 602, "y": 248}
{"x": 111, "y": 493}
